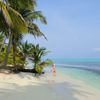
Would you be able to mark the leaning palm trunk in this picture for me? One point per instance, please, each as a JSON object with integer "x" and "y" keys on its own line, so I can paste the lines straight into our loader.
{"x": 2, "y": 45}
{"x": 14, "y": 50}
{"x": 14, "y": 54}
{"x": 7, "y": 51}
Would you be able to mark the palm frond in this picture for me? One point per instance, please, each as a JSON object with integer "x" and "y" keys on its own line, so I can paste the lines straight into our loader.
{"x": 5, "y": 13}
{"x": 11, "y": 19}
{"x": 35, "y": 31}
{"x": 22, "y": 4}
{"x": 34, "y": 15}
{"x": 46, "y": 63}
{"x": 18, "y": 21}
{"x": 25, "y": 48}
{"x": 39, "y": 15}
{"x": 18, "y": 38}
{"x": 37, "y": 53}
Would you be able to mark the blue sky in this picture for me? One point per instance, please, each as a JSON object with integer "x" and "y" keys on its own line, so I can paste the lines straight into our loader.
{"x": 73, "y": 29}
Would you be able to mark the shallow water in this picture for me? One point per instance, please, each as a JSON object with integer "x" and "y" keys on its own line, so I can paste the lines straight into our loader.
{"x": 90, "y": 78}
{"x": 87, "y": 71}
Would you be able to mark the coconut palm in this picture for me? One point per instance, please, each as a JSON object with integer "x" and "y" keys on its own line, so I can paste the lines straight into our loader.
{"x": 11, "y": 22}
{"x": 25, "y": 49}
{"x": 27, "y": 9}
{"x": 16, "y": 40}
{"x": 37, "y": 53}
{"x": 29, "y": 14}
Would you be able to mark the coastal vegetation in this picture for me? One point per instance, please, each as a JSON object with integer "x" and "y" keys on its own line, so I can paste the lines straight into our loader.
{"x": 18, "y": 18}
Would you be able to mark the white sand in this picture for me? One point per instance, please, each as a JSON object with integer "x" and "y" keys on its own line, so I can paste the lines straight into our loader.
{"x": 25, "y": 86}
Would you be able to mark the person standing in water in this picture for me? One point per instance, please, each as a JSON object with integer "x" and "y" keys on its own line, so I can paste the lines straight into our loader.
{"x": 54, "y": 70}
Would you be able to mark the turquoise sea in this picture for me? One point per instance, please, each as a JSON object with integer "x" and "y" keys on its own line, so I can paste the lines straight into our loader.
{"x": 86, "y": 70}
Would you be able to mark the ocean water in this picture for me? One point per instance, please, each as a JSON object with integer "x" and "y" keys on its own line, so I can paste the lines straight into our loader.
{"x": 86, "y": 70}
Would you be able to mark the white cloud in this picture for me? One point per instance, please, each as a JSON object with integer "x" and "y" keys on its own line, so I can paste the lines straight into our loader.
{"x": 96, "y": 49}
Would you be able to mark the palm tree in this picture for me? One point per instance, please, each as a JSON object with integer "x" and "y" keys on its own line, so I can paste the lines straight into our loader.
{"x": 29, "y": 14}
{"x": 27, "y": 9}
{"x": 37, "y": 53}
{"x": 25, "y": 49}
{"x": 11, "y": 22}
{"x": 16, "y": 40}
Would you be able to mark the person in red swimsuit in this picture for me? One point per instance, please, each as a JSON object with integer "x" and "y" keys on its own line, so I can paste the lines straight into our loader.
{"x": 54, "y": 70}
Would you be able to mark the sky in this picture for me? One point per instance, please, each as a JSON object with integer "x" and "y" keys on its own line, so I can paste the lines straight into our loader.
{"x": 73, "y": 28}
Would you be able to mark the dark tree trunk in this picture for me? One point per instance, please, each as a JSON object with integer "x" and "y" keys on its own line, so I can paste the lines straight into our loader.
{"x": 14, "y": 54}
{"x": 2, "y": 45}
{"x": 7, "y": 51}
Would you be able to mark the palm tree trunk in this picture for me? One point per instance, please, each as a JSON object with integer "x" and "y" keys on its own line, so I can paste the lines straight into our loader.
{"x": 14, "y": 54}
{"x": 2, "y": 45}
{"x": 7, "y": 51}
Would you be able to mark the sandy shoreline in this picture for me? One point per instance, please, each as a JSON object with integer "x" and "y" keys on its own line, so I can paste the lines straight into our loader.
{"x": 25, "y": 86}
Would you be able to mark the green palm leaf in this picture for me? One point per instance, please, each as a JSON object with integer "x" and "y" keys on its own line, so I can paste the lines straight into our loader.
{"x": 35, "y": 31}
{"x": 20, "y": 26}
{"x": 34, "y": 15}
{"x": 46, "y": 63}
{"x": 22, "y": 4}
{"x": 5, "y": 13}
{"x": 12, "y": 19}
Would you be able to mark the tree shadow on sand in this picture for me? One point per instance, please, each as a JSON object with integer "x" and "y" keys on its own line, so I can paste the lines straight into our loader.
{"x": 42, "y": 91}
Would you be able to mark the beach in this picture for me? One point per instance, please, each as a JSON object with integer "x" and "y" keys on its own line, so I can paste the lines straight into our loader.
{"x": 24, "y": 86}
{"x": 64, "y": 64}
